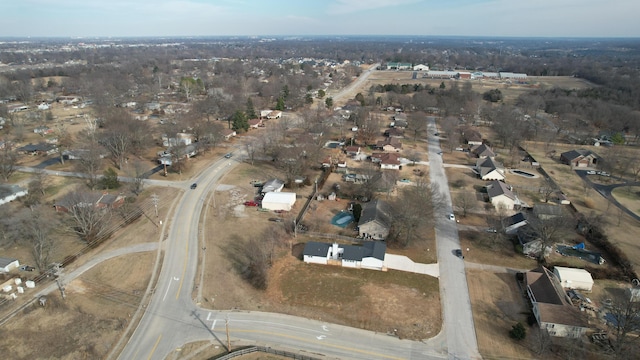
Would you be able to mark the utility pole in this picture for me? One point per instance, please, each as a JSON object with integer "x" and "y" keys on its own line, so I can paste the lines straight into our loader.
{"x": 154, "y": 199}
{"x": 226, "y": 324}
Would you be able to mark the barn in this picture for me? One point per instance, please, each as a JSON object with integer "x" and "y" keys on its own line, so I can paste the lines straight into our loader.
{"x": 279, "y": 201}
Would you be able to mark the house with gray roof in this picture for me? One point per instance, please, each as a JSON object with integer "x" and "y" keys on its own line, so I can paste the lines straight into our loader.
{"x": 369, "y": 255}
{"x": 9, "y": 193}
{"x": 501, "y": 195}
{"x": 375, "y": 220}
{"x": 552, "y": 308}
{"x": 579, "y": 158}
{"x": 489, "y": 169}
{"x": 483, "y": 151}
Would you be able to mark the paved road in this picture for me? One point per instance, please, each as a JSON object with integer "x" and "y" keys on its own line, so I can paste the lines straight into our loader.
{"x": 605, "y": 191}
{"x": 454, "y": 293}
{"x": 339, "y": 97}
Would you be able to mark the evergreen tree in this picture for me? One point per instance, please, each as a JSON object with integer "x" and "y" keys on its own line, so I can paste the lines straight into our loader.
{"x": 280, "y": 104}
{"x": 239, "y": 121}
{"x": 250, "y": 111}
{"x": 110, "y": 179}
{"x": 329, "y": 102}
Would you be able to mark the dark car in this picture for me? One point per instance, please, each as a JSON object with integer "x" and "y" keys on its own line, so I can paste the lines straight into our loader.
{"x": 27, "y": 268}
{"x": 458, "y": 253}
{"x": 274, "y": 219}
{"x": 194, "y": 185}
{"x": 228, "y": 156}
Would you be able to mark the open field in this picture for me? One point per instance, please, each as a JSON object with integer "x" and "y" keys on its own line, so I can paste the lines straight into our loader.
{"x": 629, "y": 197}
{"x": 91, "y": 318}
{"x": 509, "y": 91}
{"x": 497, "y": 305}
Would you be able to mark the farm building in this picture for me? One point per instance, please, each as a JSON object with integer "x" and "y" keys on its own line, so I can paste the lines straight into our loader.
{"x": 8, "y": 264}
{"x": 571, "y": 278}
{"x": 279, "y": 201}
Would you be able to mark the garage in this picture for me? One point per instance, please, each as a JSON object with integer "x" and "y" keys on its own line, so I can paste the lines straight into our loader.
{"x": 279, "y": 201}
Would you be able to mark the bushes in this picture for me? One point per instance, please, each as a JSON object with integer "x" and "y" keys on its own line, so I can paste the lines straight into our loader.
{"x": 518, "y": 332}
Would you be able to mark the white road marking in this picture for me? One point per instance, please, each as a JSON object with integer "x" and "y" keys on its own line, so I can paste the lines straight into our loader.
{"x": 209, "y": 316}
{"x": 320, "y": 337}
{"x": 176, "y": 278}
{"x": 214, "y": 324}
{"x": 325, "y": 328}
{"x": 166, "y": 292}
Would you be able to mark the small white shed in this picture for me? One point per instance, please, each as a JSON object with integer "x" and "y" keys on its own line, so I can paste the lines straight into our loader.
{"x": 571, "y": 278}
{"x": 279, "y": 201}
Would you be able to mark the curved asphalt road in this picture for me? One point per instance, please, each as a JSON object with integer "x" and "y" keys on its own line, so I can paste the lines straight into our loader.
{"x": 605, "y": 191}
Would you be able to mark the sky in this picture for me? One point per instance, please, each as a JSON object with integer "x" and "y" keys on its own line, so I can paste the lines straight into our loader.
{"x": 132, "y": 18}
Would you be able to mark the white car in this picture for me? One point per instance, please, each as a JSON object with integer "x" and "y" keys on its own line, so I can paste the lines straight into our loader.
{"x": 591, "y": 172}
{"x": 452, "y": 217}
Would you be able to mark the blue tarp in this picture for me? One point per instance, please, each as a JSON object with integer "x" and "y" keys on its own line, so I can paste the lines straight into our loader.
{"x": 579, "y": 246}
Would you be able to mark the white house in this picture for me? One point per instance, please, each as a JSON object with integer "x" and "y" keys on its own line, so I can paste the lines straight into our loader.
{"x": 571, "y": 278}
{"x": 501, "y": 196}
{"x": 368, "y": 256}
{"x": 489, "y": 169}
{"x": 278, "y": 200}
{"x": 8, "y": 264}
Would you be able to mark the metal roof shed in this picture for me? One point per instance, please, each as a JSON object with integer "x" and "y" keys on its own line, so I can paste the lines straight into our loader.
{"x": 571, "y": 278}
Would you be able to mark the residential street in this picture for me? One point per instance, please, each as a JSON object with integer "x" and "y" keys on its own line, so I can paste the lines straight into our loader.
{"x": 454, "y": 293}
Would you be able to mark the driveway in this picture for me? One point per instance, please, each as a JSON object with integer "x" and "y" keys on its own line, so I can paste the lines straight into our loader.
{"x": 403, "y": 263}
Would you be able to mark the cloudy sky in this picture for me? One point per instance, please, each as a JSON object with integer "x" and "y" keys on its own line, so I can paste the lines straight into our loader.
{"x": 540, "y": 18}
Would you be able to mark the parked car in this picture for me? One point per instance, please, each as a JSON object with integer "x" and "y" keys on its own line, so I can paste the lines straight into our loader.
{"x": 193, "y": 186}
{"x": 458, "y": 253}
{"x": 250, "y": 203}
{"x": 604, "y": 173}
{"x": 228, "y": 156}
{"x": 491, "y": 230}
{"x": 26, "y": 268}
{"x": 452, "y": 217}
{"x": 591, "y": 172}
{"x": 275, "y": 219}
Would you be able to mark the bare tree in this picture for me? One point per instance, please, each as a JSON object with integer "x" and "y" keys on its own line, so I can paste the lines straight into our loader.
{"x": 90, "y": 162}
{"x": 549, "y": 230}
{"x": 466, "y": 201}
{"x": 8, "y": 162}
{"x": 624, "y": 319}
{"x": 86, "y": 219}
{"x": 38, "y": 227}
{"x": 118, "y": 143}
{"x": 137, "y": 173}
{"x": 413, "y": 209}
{"x": 417, "y": 124}
{"x": 37, "y": 187}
